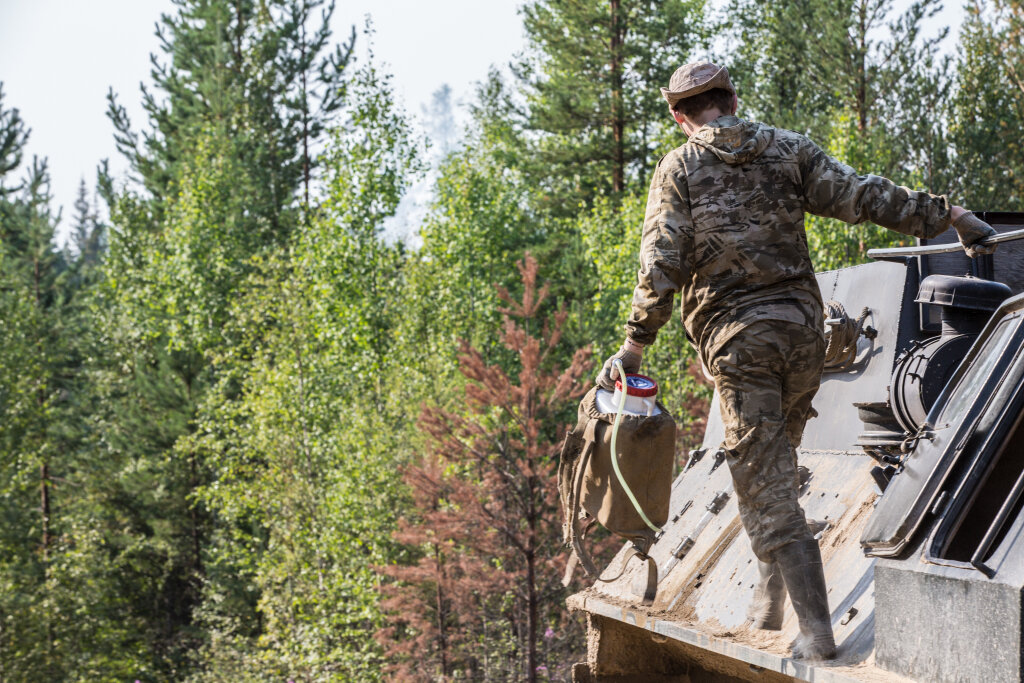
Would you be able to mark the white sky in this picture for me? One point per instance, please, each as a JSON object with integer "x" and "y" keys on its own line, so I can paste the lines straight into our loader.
{"x": 59, "y": 57}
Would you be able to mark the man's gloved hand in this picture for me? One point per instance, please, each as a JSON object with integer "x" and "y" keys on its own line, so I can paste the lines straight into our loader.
{"x": 971, "y": 230}
{"x": 631, "y": 354}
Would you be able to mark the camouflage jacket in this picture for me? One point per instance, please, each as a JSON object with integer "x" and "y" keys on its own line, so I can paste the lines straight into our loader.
{"x": 725, "y": 228}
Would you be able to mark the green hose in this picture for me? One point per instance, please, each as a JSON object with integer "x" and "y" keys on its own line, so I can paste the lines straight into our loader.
{"x": 615, "y": 434}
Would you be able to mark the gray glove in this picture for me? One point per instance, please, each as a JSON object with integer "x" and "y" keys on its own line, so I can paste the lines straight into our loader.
{"x": 631, "y": 354}
{"x": 972, "y": 230}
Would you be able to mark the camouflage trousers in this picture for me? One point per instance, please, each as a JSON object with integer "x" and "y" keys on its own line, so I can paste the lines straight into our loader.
{"x": 766, "y": 376}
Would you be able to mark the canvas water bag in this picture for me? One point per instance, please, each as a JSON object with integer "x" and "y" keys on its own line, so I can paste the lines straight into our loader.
{"x": 590, "y": 490}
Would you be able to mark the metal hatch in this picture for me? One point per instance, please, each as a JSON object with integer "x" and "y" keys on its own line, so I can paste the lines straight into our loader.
{"x": 987, "y": 487}
{"x": 947, "y": 433}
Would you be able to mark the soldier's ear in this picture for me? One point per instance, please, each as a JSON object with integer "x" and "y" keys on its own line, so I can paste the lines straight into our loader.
{"x": 678, "y": 116}
{"x": 735, "y": 103}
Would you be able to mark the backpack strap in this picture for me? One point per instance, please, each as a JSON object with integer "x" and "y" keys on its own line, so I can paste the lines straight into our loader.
{"x": 651, "y": 590}
{"x": 651, "y": 587}
{"x": 575, "y": 534}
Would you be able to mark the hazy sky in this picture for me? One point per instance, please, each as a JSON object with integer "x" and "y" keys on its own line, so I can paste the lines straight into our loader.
{"x": 59, "y": 57}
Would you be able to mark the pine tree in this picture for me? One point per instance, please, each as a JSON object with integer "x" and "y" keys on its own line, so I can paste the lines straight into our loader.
{"x": 226, "y": 171}
{"x": 41, "y": 497}
{"x": 487, "y": 508}
{"x": 65, "y": 615}
{"x": 799, "y": 63}
{"x": 590, "y": 79}
{"x": 302, "y": 431}
{"x": 87, "y": 241}
{"x": 315, "y": 72}
{"x": 264, "y": 72}
{"x": 442, "y": 605}
{"x": 13, "y": 136}
{"x": 988, "y": 109}
{"x": 32, "y": 365}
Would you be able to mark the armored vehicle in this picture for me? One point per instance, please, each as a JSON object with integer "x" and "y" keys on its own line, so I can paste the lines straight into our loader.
{"x": 912, "y": 477}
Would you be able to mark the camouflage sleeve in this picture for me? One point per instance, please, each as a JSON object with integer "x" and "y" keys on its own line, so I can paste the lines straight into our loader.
{"x": 834, "y": 190}
{"x": 666, "y": 253}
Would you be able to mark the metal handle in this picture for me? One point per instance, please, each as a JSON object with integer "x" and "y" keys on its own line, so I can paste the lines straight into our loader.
{"x": 943, "y": 248}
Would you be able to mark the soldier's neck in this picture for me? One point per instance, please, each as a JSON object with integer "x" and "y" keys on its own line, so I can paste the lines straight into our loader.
{"x": 691, "y": 126}
{"x": 709, "y": 115}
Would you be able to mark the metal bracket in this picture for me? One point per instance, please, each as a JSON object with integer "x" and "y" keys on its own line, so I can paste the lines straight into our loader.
{"x": 713, "y": 508}
{"x": 718, "y": 502}
{"x": 686, "y": 506}
{"x": 719, "y": 459}
{"x": 694, "y": 457}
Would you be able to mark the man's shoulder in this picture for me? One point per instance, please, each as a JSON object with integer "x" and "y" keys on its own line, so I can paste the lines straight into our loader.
{"x": 676, "y": 160}
{"x": 672, "y": 164}
{"x": 790, "y": 140}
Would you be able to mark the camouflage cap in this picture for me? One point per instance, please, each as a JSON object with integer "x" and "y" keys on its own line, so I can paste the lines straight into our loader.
{"x": 693, "y": 79}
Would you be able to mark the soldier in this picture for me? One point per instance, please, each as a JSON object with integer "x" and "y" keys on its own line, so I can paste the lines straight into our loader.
{"x": 725, "y": 228}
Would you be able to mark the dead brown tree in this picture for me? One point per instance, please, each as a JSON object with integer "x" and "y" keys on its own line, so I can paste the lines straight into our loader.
{"x": 487, "y": 520}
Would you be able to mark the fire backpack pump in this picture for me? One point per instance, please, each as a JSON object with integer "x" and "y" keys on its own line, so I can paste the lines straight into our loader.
{"x": 616, "y": 469}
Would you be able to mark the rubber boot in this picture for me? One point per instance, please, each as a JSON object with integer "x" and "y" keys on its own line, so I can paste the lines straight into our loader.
{"x": 800, "y": 565}
{"x": 766, "y": 611}
{"x": 769, "y": 597}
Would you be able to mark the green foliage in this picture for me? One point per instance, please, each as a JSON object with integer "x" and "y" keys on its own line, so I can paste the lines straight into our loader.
{"x": 798, "y": 63}
{"x": 988, "y": 107}
{"x": 32, "y": 357}
{"x": 60, "y": 608}
{"x": 303, "y": 460}
{"x": 833, "y": 243}
{"x": 590, "y": 77}
{"x": 206, "y": 404}
{"x": 264, "y": 72}
{"x": 188, "y": 271}
{"x": 479, "y": 223}
{"x": 245, "y": 92}
{"x": 13, "y": 135}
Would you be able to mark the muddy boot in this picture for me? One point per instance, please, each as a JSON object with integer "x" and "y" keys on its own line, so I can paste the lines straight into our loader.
{"x": 769, "y": 596}
{"x": 800, "y": 565}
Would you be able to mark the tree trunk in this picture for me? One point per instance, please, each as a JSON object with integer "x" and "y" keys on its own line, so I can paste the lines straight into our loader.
{"x": 193, "y": 484}
{"x": 305, "y": 124}
{"x": 44, "y": 495}
{"x": 442, "y": 637}
{"x": 197, "y": 539}
{"x": 44, "y": 491}
{"x": 532, "y": 599}
{"x": 618, "y": 122}
{"x": 44, "y": 467}
{"x": 862, "y": 77}
{"x": 532, "y": 613}
{"x": 239, "y": 28}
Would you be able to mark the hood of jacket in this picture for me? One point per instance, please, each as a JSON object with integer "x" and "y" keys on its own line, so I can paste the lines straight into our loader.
{"x": 734, "y": 140}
